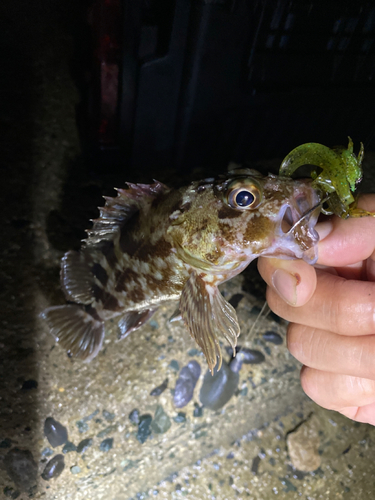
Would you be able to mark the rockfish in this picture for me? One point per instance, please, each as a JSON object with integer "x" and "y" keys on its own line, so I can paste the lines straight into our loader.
{"x": 153, "y": 245}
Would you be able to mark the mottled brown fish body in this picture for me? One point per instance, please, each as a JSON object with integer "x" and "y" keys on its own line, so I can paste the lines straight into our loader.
{"x": 152, "y": 245}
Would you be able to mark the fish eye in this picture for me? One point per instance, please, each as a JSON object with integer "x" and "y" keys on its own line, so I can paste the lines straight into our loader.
{"x": 244, "y": 194}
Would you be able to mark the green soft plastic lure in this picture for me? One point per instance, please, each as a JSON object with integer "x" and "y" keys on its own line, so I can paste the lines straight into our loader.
{"x": 340, "y": 173}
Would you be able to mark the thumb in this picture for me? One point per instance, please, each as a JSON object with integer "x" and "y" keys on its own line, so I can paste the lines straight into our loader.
{"x": 293, "y": 280}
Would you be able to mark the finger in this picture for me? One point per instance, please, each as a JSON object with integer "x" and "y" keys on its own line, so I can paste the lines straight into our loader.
{"x": 336, "y": 391}
{"x": 364, "y": 414}
{"x": 338, "y": 305}
{"x": 347, "y": 241}
{"x": 330, "y": 352}
{"x": 294, "y": 280}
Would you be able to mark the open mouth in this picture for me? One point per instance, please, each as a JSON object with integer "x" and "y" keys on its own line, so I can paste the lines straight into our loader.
{"x": 298, "y": 235}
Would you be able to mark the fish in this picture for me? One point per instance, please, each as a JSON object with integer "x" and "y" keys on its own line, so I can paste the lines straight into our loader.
{"x": 153, "y": 245}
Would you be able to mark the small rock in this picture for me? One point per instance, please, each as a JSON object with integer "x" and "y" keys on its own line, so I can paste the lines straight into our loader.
{"x": 252, "y": 356}
{"x": 198, "y": 410}
{"x": 106, "y": 445}
{"x": 106, "y": 431}
{"x": 69, "y": 446}
{"x": 159, "y": 389}
{"x": 55, "y": 432}
{"x": 161, "y": 422}
{"x": 108, "y": 416}
{"x": 144, "y": 430}
{"x": 186, "y": 383}
{"x": 21, "y": 468}
{"x": 180, "y": 417}
{"x": 134, "y": 416}
{"x": 53, "y": 468}
{"x": 235, "y": 299}
{"x": 47, "y": 452}
{"x": 273, "y": 337}
{"x": 82, "y": 426}
{"x": 75, "y": 469}
{"x": 303, "y": 446}
{"x": 174, "y": 365}
{"x": 255, "y": 465}
{"x": 217, "y": 389}
{"x": 84, "y": 445}
{"x": 194, "y": 352}
{"x": 29, "y": 384}
{"x": 90, "y": 417}
{"x": 11, "y": 493}
{"x": 5, "y": 443}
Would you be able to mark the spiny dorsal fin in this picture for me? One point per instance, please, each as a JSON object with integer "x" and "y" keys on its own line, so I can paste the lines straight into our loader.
{"x": 117, "y": 211}
{"x": 206, "y": 314}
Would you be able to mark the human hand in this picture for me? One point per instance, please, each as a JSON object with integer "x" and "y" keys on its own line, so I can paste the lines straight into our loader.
{"x": 332, "y": 312}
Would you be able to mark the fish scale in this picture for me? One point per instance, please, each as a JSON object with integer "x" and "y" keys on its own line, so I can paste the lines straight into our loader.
{"x": 152, "y": 245}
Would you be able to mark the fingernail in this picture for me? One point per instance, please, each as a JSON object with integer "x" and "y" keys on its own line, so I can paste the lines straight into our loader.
{"x": 285, "y": 285}
{"x": 324, "y": 229}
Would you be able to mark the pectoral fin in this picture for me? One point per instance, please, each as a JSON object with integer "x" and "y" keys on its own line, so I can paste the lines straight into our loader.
{"x": 206, "y": 314}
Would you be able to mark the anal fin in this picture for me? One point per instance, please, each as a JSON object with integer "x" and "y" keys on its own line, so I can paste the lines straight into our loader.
{"x": 207, "y": 314}
{"x": 133, "y": 320}
{"x": 76, "y": 330}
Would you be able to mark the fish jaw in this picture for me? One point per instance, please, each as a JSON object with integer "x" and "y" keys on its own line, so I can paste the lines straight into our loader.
{"x": 295, "y": 235}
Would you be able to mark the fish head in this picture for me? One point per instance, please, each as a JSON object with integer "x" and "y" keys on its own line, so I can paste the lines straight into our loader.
{"x": 223, "y": 224}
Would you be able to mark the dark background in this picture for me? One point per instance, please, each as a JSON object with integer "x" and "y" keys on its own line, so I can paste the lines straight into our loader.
{"x": 202, "y": 83}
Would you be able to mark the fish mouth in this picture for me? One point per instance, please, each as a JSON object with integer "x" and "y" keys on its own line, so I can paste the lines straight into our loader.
{"x": 296, "y": 234}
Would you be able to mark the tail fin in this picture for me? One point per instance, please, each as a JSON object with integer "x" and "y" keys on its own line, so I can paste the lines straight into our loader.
{"x": 76, "y": 330}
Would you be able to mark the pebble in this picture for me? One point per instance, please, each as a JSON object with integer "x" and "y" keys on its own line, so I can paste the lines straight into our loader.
{"x": 29, "y": 384}
{"x": 235, "y": 299}
{"x": 11, "y": 493}
{"x": 106, "y": 445}
{"x": 108, "y": 416}
{"x": 194, "y": 352}
{"x": 53, "y": 468}
{"x": 180, "y": 417}
{"x": 186, "y": 383}
{"x": 134, "y": 416}
{"x": 21, "y": 468}
{"x": 5, "y": 443}
{"x": 198, "y": 410}
{"x": 255, "y": 465}
{"x": 217, "y": 389}
{"x": 273, "y": 337}
{"x": 303, "y": 445}
{"x": 107, "y": 430}
{"x": 82, "y": 426}
{"x": 161, "y": 422}
{"x": 75, "y": 469}
{"x": 55, "y": 432}
{"x": 248, "y": 356}
{"x": 46, "y": 452}
{"x": 159, "y": 389}
{"x": 84, "y": 445}
{"x": 69, "y": 446}
{"x": 174, "y": 365}
{"x": 144, "y": 430}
